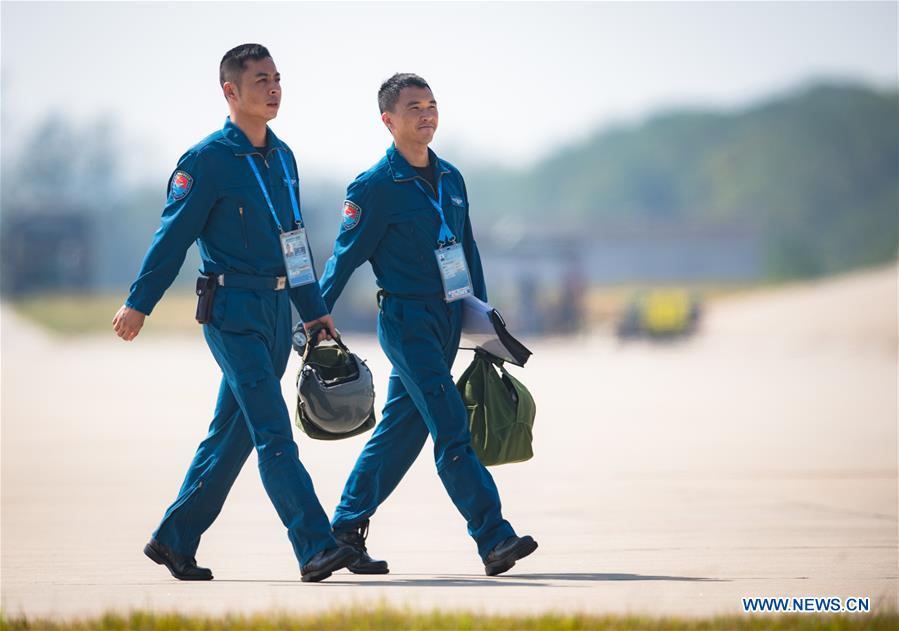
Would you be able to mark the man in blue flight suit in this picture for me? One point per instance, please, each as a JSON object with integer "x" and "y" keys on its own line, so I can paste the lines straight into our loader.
{"x": 408, "y": 216}
{"x": 236, "y": 194}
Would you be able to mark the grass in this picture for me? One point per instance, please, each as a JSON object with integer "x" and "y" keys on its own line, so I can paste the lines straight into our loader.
{"x": 393, "y": 619}
{"x": 82, "y": 314}
{"x": 93, "y": 313}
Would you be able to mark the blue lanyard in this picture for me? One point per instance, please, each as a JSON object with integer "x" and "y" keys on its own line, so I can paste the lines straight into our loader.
{"x": 293, "y": 197}
{"x": 268, "y": 200}
{"x": 446, "y": 236}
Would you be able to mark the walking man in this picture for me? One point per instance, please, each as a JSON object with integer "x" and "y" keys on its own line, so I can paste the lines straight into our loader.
{"x": 408, "y": 216}
{"x": 237, "y": 194}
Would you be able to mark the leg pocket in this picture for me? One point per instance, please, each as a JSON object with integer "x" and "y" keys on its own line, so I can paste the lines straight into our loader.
{"x": 243, "y": 312}
{"x": 217, "y": 317}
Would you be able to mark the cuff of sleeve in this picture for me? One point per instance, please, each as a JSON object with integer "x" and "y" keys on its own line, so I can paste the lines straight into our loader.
{"x": 137, "y": 305}
{"x": 329, "y": 304}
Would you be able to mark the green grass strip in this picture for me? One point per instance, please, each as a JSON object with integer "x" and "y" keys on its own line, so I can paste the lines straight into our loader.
{"x": 394, "y": 619}
{"x": 74, "y": 315}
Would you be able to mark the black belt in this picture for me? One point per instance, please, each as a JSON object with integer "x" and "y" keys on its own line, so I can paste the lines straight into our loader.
{"x": 383, "y": 293}
{"x": 249, "y": 281}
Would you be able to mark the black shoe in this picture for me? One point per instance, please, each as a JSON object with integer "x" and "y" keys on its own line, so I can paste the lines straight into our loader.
{"x": 183, "y": 568}
{"x": 504, "y": 555}
{"x": 363, "y": 564}
{"x": 320, "y": 567}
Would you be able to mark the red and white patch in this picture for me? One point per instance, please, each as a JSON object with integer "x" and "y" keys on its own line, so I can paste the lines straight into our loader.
{"x": 181, "y": 183}
{"x": 351, "y": 215}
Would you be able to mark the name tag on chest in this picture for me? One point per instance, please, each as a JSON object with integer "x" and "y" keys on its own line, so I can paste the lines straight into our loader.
{"x": 454, "y": 272}
{"x": 297, "y": 258}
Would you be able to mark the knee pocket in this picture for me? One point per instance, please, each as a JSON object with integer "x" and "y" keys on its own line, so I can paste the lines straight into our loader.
{"x": 438, "y": 390}
{"x": 276, "y": 453}
{"x": 448, "y": 413}
{"x": 452, "y": 455}
{"x": 249, "y": 378}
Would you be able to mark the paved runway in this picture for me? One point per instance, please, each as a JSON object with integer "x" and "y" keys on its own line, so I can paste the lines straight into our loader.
{"x": 758, "y": 459}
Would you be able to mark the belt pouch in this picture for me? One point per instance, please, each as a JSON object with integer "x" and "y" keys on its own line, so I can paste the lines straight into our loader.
{"x": 206, "y": 285}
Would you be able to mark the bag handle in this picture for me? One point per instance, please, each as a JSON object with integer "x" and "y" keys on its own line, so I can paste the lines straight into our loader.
{"x": 493, "y": 359}
{"x": 312, "y": 340}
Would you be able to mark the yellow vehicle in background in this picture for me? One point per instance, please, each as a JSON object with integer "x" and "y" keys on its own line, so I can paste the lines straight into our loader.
{"x": 660, "y": 313}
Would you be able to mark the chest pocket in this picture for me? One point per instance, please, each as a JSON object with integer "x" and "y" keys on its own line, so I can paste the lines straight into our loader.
{"x": 242, "y": 199}
{"x": 418, "y": 225}
{"x": 455, "y": 215}
{"x": 234, "y": 216}
{"x": 244, "y": 219}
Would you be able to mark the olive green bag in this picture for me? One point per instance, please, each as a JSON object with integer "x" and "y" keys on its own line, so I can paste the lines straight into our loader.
{"x": 500, "y": 411}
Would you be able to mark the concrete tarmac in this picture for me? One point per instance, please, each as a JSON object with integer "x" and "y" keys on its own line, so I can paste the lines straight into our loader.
{"x": 758, "y": 459}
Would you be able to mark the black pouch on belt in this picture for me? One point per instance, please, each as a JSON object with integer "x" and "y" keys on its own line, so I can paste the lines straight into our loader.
{"x": 205, "y": 293}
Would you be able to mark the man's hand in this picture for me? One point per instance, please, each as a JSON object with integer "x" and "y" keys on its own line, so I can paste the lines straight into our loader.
{"x": 128, "y": 322}
{"x": 325, "y": 321}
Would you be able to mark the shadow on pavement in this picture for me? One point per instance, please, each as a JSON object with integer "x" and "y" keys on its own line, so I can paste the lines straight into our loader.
{"x": 511, "y": 580}
{"x": 587, "y": 576}
{"x": 459, "y": 581}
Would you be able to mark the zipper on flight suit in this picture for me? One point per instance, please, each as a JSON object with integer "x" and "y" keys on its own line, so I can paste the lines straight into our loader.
{"x": 267, "y": 181}
{"x": 243, "y": 223}
{"x": 264, "y": 157}
{"x": 418, "y": 177}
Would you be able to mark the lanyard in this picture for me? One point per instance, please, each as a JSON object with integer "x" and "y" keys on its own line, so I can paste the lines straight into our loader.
{"x": 293, "y": 196}
{"x": 268, "y": 200}
{"x": 446, "y": 236}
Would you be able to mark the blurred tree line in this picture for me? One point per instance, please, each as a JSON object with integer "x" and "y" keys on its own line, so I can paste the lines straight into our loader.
{"x": 815, "y": 172}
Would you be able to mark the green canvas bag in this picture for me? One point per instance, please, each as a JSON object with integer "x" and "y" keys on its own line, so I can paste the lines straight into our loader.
{"x": 500, "y": 411}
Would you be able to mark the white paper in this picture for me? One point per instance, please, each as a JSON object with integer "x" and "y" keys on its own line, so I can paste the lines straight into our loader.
{"x": 478, "y": 329}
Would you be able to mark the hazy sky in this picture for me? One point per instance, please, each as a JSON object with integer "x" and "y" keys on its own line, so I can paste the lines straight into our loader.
{"x": 513, "y": 80}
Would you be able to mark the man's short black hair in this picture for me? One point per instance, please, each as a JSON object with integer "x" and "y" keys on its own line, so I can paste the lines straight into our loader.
{"x": 389, "y": 93}
{"x": 235, "y": 60}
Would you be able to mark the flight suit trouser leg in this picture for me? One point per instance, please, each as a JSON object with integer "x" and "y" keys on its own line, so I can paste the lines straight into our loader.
{"x": 421, "y": 339}
{"x": 249, "y": 336}
{"x": 385, "y": 459}
{"x": 211, "y": 474}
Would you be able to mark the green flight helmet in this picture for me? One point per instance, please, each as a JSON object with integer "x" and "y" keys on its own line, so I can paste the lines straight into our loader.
{"x": 335, "y": 391}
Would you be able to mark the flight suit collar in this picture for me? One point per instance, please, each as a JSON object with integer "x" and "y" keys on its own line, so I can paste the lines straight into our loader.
{"x": 400, "y": 168}
{"x": 240, "y": 144}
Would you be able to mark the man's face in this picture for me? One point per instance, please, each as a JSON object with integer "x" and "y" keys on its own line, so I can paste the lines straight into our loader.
{"x": 414, "y": 118}
{"x": 258, "y": 92}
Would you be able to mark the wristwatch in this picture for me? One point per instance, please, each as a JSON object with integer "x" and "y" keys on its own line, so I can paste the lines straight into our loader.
{"x": 299, "y": 338}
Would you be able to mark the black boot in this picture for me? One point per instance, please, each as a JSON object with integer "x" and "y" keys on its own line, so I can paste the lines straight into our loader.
{"x": 504, "y": 555}
{"x": 183, "y": 568}
{"x": 363, "y": 564}
{"x": 320, "y": 567}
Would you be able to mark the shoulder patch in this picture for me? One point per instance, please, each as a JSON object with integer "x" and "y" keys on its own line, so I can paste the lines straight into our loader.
{"x": 352, "y": 213}
{"x": 181, "y": 184}
{"x": 457, "y": 201}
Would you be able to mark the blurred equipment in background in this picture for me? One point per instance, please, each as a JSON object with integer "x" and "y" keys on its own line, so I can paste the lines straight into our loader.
{"x": 47, "y": 252}
{"x": 660, "y": 314}
{"x": 570, "y": 316}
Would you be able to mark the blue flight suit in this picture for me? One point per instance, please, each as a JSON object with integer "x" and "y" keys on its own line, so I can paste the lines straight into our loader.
{"x": 215, "y": 199}
{"x": 389, "y": 221}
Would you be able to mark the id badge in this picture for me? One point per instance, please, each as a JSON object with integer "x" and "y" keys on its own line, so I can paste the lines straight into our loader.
{"x": 297, "y": 260}
{"x": 453, "y": 272}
